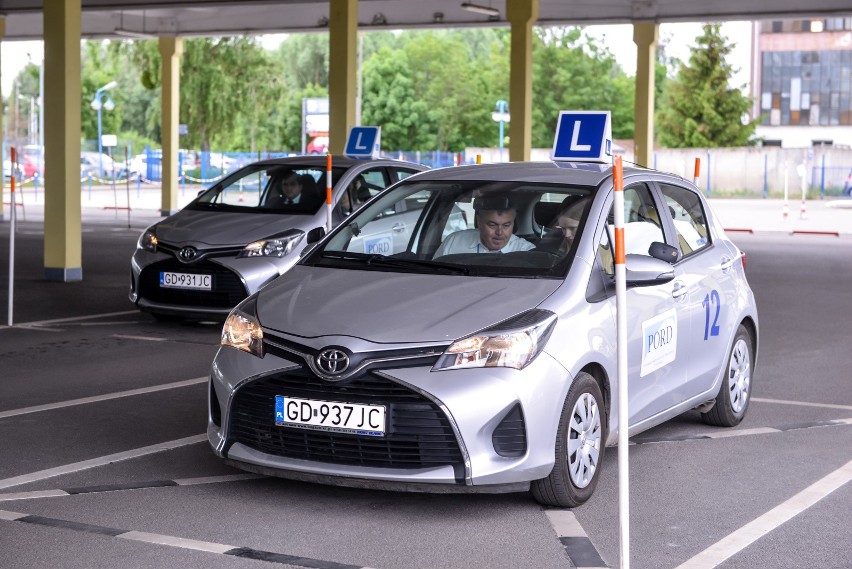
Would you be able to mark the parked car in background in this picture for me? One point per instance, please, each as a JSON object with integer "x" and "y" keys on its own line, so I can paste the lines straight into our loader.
{"x": 239, "y": 234}
{"x": 103, "y": 168}
{"x": 317, "y": 145}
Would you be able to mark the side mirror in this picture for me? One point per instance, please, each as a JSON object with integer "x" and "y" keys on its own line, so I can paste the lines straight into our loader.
{"x": 663, "y": 252}
{"x": 315, "y": 235}
{"x": 642, "y": 270}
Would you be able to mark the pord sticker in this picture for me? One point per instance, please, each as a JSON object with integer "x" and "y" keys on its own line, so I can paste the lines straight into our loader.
{"x": 659, "y": 342}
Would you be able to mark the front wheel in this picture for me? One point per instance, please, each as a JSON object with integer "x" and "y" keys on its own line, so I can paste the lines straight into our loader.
{"x": 735, "y": 391}
{"x": 580, "y": 443}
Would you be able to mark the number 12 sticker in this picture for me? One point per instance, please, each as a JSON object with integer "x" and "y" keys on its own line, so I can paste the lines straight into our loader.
{"x": 711, "y": 300}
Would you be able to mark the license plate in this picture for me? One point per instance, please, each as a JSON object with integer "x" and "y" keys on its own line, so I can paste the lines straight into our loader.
{"x": 186, "y": 280}
{"x": 330, "y": 416}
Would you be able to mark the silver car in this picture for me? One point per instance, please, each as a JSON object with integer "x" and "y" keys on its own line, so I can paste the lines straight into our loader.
{"x": 240, "y": 234}
{"x": 376, "y": 362}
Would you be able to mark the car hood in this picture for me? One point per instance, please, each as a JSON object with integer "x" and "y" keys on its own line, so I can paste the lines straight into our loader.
{"x": 218, "y": 228}
{"x": 387, "y": 307}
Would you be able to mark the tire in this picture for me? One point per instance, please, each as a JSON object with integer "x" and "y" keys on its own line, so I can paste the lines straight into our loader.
{"x": 735, "y": 392}
{"x": 580, "y": 445}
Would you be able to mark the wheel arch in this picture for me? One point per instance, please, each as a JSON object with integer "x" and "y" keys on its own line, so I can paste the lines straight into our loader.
{"x": 597, "y": 371}
{"x": 751, "y": 326}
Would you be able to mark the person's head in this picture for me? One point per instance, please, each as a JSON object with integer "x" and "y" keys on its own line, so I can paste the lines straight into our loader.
{"x": 495, "y": 220}
{"x": 291, "y": 186}
{"x": 569, "y": 219}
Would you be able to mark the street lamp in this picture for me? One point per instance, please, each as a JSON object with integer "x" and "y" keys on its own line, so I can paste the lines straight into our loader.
{"x": 97, "y": 104}
{"x": 501, "y": 115}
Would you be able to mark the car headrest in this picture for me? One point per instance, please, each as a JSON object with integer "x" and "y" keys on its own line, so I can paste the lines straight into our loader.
{"x": 545, "y": 213}
{"x": 500, "y": 202}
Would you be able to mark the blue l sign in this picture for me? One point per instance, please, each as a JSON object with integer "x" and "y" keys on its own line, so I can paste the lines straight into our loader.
{"x": 363, "y": 141}
{"x": 583, "y": 136}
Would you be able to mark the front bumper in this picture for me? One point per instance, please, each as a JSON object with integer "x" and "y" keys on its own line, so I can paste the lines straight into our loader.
{"x": 497, "y": 432}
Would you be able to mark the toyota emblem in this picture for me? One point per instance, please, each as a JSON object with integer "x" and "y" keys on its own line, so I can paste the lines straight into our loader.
{"x": 332, "y": 361}
{"x": 187, "y": 254}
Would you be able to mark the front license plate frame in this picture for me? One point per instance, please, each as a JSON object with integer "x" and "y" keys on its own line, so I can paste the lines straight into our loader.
{"x": 331, "y": 416}
{"x": 186, "y": 281}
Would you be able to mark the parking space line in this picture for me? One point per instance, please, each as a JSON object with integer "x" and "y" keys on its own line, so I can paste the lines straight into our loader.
{"x": 100, "y": 461}
{"x": 99, "y": 398}
{"x": 802, "y": 403}
{"x": 64, "y": 492}
{"x": 580, "y": 549}
{"x": 143, "y": 338}
{"x": 727, "y": 433}
{"x": 740, "y": 539}
{"x": 178, "y": 542}
{"x": 74, "y": 319}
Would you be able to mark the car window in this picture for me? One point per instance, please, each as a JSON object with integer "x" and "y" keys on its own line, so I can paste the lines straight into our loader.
{"x": 689, "y": 219}
{"x": 642, "y": 225}
{"x": 446, "y": 224}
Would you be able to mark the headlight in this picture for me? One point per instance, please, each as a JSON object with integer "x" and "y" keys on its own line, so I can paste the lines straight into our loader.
{"x": 242, "y": 329}
{"x": 148, "y": 241}
{"x": 276, "y": 246}
{"x": 513, "y": 343}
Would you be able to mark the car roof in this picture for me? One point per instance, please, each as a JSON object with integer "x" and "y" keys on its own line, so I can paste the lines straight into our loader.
{"x": 575, "y": 173}
{"x": 336, "y": 160}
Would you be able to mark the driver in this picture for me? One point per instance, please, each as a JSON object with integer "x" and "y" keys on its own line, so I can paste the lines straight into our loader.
{"x": 495, "y": 219}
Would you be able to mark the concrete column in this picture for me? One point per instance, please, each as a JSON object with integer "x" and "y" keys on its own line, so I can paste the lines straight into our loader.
{"x": 2, "y": 130}
{"x": 521, "y": 14}
{"x": 342, "y": 70}
{"x": 171, "y": 48}
{"x": 645, "y": 36}
{"x": 62, "y": 226}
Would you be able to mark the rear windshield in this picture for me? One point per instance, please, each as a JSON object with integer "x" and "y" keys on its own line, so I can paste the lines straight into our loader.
{"x": 511, "y": 229}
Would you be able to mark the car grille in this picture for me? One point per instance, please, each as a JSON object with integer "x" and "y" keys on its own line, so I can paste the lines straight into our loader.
{"x": 227, "y": 292}
{"x": 418, "y": 433}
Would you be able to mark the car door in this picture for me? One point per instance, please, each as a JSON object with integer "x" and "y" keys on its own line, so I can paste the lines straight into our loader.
{"x": 656, "y": 319}
{"x": 704, "y": 275}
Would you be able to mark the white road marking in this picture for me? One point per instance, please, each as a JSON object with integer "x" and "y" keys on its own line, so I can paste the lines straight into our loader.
{"x": 143, "y": 338}
{"x": 565, "y": 523}
{"x": 12, "y": 496}
{"x": 11, "y": 516}
{"x": 802, "y": 403}
{"x": 751, "y": 532}
{"x": 741, "y": 433}
{"x": 75, "y": 318}
{"x": 98, "y": 398}
{"x": 176, "y": 541}
{"x": 100, "y": 461}
{"x": 216, "y": 479}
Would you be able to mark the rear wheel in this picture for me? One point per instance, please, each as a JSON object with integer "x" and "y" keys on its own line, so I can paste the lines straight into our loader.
{"x": 735, "y": 391}
{"x": 580, "y": 440}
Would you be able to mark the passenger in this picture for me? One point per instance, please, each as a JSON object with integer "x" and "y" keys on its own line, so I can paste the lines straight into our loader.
{"x": 495, "y": 218}
{"x": 567, "y": 222}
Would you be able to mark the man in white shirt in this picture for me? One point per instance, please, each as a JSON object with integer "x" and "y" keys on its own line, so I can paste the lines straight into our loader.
{"x": 495, "y": 216}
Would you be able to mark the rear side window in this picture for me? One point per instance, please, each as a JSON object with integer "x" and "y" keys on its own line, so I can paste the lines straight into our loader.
{"x": 689, "y": 218}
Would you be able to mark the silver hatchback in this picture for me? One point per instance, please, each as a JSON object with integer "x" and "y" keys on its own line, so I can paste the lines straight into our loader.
{"x": 405, "y": 354}
{"x": 244, "y": 231}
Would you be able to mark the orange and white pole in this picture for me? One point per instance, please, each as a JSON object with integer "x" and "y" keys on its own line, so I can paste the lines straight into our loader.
{"x": 697, "y": 171}
{"x": 621, "y": 352}
{"x": 14, "y": 160}
{"x": 328, "y": 188}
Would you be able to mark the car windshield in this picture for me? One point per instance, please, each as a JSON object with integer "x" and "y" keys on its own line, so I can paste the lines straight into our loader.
{"x": 484, "y": 228}
{"x": 269, "y": 188}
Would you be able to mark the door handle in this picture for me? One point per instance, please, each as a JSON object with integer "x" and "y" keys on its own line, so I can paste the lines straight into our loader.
{"x": 679, "y": 291}
{"x": 727, "y": 263}
{"x": 398, "y": 227}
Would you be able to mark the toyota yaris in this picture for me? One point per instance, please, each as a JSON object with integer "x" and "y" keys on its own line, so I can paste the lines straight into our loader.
{"x": 402, "y": 353}
{"x": 246, "y": 230}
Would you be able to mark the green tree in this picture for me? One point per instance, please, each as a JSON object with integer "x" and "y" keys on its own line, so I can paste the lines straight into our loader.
{"x": 572, "y": 72}
{"x": 699, "y": 108}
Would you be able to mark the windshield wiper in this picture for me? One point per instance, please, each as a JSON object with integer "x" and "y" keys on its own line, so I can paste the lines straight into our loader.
{"x": 383, "y": 260}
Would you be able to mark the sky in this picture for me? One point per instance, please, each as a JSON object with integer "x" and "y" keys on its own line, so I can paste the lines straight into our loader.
{"x": 14, "y": 55}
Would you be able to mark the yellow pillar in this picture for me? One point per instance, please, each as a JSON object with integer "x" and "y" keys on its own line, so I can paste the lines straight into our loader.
{"x": 521, "y": 14}
{"x": 2, "y": 131}
{"x": 62, "y": 227}
{"x": 342, "y": 68}
{"x": 171, "y": 48}
{"x": 645, "y": 36}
